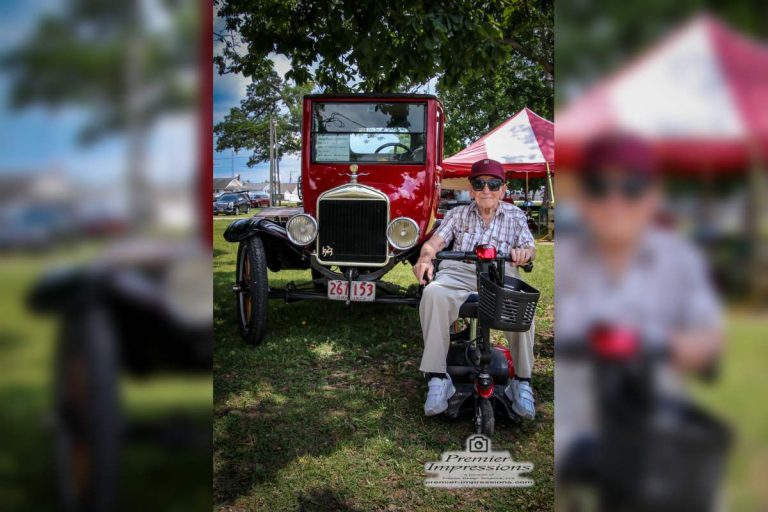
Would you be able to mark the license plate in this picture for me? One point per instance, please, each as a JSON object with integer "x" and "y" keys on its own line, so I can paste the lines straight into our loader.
{"x": 362, "y": 291}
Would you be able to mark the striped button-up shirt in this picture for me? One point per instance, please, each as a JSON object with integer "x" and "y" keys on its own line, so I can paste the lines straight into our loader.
{"x": 464, "y": 227}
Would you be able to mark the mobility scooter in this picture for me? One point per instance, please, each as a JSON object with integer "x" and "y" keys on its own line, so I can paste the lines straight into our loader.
{"x": 478, "y": 369}
{"x": 652, "y": 451}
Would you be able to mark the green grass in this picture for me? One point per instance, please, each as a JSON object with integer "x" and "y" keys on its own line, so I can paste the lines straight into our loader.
{"x": 326, "y": 414}
{"x": 739, "y": 398}
{"x": 176, "y": 479}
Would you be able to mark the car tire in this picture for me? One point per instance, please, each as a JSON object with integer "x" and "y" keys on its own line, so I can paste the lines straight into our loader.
{"x": 88, "y": 425}
{"x": 236, "y": 211}
{"x": 252, "y": 297}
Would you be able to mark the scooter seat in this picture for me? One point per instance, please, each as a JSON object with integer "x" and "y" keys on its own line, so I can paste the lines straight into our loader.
{"x": 469, "y": 308}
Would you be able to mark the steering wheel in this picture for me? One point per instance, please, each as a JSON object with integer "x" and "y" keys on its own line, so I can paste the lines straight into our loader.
{"x": 394, "y": 144}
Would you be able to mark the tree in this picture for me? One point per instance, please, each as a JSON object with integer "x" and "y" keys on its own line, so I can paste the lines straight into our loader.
{"x": 374, "y": 46}
{"x": 490, "y": 60}
{"x": 247, "y": 126}
{"x": 474, "y": 107}
{"x": 102, "y": 56}
{"x": 596, "y": 37}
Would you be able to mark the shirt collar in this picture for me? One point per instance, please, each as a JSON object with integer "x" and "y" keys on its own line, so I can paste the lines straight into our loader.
{"x": 499, "y": 209}
{"x": 645, "y": 253}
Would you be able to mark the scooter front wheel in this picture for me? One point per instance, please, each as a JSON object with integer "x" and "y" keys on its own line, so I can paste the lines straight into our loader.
{"x": 485, "y": 422}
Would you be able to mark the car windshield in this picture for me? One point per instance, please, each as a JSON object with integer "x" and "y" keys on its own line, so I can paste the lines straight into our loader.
{"x": 368, "y": 132}
{"x": 228, "y": 197}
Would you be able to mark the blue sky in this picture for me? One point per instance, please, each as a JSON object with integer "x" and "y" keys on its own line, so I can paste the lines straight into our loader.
{"x": 228, "y": 90}
{"x": 39, "y": 139}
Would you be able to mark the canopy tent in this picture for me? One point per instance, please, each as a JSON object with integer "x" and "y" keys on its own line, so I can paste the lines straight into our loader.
{"x": 524, "y": 143}
{"x": 700, "y": 97}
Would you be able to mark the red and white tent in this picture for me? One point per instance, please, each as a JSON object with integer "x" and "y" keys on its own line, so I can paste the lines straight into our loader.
{"x": 524, "y": 143}
{"x": 701, "y": 97}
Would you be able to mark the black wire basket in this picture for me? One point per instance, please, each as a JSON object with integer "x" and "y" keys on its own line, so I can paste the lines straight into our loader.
{"x": 507, "y": 308}
{"x": 676, "y": 463}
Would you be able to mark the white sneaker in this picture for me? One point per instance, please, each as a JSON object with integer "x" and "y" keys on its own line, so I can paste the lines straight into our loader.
{"x": 520, "y": 394}
{"x": 440, "y": 390}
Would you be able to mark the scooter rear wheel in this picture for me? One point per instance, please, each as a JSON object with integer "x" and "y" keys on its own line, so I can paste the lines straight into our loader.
{"x": 485, "y": 422}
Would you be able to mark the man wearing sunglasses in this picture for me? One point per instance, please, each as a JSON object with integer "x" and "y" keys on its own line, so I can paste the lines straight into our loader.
{"x": 486, "y": 220}
{"x": 623, "y": 269}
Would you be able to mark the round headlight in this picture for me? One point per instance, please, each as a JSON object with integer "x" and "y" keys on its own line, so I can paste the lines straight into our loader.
{"x": 403, "y": 233}
{"x": 301, "y": 229}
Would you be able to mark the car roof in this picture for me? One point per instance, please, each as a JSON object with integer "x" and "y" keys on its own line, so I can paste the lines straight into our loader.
{"x": 372, "y": 95}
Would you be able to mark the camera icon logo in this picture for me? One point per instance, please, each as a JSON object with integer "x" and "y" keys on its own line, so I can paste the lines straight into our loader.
{"x": 478, "y": 443}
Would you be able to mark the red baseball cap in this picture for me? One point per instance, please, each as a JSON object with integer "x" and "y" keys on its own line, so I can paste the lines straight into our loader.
{"x": 624, "y": 152}
{"x": 487, "y": 167}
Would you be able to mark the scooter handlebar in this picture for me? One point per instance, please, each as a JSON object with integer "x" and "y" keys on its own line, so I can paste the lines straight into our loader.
{"x": 471, "y": 256}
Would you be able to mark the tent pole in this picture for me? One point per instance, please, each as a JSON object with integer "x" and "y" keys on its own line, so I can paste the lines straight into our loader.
{"x": 526, "y": 186}
{"x": 550, "y": 236}
{"x": 551, "y": 188}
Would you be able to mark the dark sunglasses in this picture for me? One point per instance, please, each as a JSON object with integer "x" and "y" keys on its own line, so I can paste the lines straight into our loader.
{"x": 493, "y": 184}
{"x": 631, "y": 187}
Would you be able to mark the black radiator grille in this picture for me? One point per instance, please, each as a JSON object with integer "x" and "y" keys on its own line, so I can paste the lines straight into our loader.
{"x": 354, "y": 230}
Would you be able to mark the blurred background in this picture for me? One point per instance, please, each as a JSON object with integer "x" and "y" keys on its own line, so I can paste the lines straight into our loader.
{"x": 105, "y": 337}
{"x": 690, "y": 78}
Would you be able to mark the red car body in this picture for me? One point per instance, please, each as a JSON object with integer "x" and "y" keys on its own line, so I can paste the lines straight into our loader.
{"x": 413, "y": 189}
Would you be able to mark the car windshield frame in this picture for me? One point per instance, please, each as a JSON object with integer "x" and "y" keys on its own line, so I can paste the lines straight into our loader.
{"x": 338, "y": 122}
{"x": 235, "y": 197}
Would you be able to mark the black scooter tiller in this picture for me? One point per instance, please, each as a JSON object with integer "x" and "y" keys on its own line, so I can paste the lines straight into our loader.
{"x": 477, "y": 368}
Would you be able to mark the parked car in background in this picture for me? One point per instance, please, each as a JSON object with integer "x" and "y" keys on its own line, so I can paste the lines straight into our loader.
{"x": 233, "y": 203}
{"x": 36, "y": 226}
{"x": 259, "y": 199}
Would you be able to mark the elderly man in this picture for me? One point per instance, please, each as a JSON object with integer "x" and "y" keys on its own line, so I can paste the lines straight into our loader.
{"x": 486, "y": 220}
{"x": 621, "y": 269}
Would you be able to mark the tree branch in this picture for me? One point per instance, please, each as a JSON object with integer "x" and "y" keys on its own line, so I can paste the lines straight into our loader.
{"x": 547, "y": 66}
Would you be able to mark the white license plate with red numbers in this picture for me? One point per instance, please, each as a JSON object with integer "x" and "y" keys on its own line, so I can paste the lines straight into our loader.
{"x": 362, "y": 291}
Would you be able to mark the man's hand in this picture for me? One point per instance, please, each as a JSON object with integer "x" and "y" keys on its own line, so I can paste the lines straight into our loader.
{"x": 423, "y": 266}
{"x": 521, "y": 256}
{"x": 696, "y": 350}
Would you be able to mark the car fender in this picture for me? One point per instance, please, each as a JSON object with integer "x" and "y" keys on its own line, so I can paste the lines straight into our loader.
{"x": 59, "y": 288}
{"x": 244, "y": 229}
{"x": 281, "y": 252}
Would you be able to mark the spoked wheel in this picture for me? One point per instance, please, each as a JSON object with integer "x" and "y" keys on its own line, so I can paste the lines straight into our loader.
{"x": 88, "y": 429}
{"x": 484, "y": 418}
{"x": 251, "y": 290}
{"x": 236, "y": 211}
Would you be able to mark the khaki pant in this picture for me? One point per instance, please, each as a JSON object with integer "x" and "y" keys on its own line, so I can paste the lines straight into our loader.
{"x": 439, "y": 308}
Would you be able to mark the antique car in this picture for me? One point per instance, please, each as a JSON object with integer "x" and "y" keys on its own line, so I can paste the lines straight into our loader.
{"x": 232, "y": 203}
{"x": 370, "y": 185}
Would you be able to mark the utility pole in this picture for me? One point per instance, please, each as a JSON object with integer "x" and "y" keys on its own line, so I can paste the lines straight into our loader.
{"x": 271, "y": 161}
{"x": 277, "y": 167}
